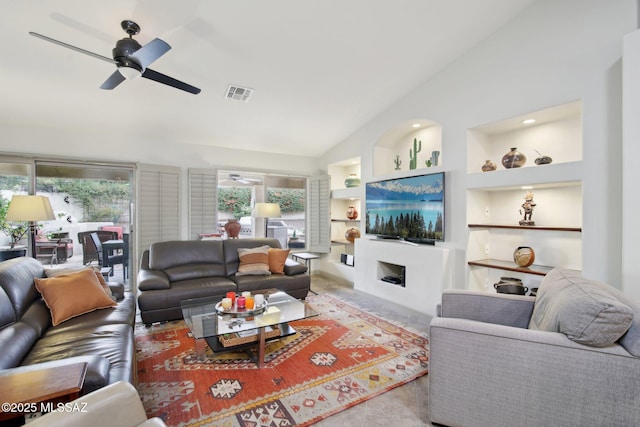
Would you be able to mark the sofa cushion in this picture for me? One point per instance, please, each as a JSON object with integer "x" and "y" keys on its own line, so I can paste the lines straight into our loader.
{"x": 254, "y": 261}
{"x": 73, "y": 294}
{"x": 584, "y": 310}
{"x": 53, "y": 272}
{"x": 277, "y": 259}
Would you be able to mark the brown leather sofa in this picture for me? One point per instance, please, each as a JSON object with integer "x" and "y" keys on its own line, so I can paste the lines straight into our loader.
{"x": 177, "y": 270}
{"x": 102, "y": 338}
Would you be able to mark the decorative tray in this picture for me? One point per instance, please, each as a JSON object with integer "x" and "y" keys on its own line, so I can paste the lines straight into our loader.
{"x": 234, "y": 311}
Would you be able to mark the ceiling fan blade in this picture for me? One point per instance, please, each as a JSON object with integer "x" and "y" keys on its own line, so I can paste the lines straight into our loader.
{"x": 114, "y": 80}
{"x": 148, "y": 53}
{"x": 169, "y": 81}
{"x": 77, "y": 49}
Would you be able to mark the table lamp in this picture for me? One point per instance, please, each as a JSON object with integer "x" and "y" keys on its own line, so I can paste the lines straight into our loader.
{"x": 266, "y": 211}
{"x": 32, "y": 209}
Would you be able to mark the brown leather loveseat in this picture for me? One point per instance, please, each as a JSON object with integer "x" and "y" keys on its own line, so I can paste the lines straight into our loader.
{"x": 177, "y": 270}
{"x": 103, "y": 338}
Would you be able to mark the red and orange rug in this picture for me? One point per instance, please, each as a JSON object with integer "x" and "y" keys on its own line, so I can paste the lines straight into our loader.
{"x": 336, "y": 360}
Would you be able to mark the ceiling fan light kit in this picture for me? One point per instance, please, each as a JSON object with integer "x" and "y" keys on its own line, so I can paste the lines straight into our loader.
{"x": 131, "y": 59}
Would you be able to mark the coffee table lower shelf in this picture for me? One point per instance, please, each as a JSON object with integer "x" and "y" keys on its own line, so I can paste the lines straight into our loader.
{"x": 217, "y": 347}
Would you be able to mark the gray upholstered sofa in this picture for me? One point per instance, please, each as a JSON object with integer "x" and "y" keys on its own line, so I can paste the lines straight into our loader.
{"x": 570, "y": 357}
{"x": 177, "y": 270}
{"x": 102, "y": 338}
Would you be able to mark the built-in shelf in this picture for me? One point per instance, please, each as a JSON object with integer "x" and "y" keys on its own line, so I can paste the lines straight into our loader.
{"x": 540, "y": 270}
{"x": 341, "y": 242}
{"x": 495, "y": 199}
{"x": 345, "y": 220}
{"x": 527, "y": 227}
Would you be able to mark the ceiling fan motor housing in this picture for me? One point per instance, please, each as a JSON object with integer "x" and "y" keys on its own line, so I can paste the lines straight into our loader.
{"x": 123, "y": 50}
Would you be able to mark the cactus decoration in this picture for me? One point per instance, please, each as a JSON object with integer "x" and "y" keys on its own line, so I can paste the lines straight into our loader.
{"x": 433, "y": 161}
{"x": 398, "y": 162}
{"x": 413, "y": 154}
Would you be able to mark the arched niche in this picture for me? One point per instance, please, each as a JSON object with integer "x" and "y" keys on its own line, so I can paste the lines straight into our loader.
{"x": 399, "y": 141}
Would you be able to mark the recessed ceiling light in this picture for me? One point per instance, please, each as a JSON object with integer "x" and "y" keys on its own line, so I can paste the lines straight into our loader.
{"x": 416, "y": 125}
{"x": 527, "y": 187}
{"x": 528, "y": 121}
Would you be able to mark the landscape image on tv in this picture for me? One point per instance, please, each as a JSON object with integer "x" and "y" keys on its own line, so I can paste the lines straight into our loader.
{"x": 410, "y": 208}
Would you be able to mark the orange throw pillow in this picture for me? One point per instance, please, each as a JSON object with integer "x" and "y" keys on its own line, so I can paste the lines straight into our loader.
{"x": 53, "y": 272}
{"x": 277, "y": 259}
{"x": 70, "y": 295}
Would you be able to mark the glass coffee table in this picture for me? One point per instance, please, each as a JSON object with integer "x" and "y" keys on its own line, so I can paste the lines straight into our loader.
{"x": 237, "y": 329}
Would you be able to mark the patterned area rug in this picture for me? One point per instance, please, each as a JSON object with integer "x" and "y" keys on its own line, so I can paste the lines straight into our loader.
{"x": 334, "y": 361}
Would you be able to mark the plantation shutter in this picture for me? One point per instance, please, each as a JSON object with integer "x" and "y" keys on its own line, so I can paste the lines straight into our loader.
{"x": 319, "y": 231}
{"x": 203, "y": 202}
{"x": 159, "y": 205}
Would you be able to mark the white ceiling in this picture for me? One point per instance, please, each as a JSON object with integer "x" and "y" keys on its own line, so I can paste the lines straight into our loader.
{"x": 321, "y": 69}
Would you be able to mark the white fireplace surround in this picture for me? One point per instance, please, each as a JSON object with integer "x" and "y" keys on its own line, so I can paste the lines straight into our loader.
{"x": 427, "y": 269}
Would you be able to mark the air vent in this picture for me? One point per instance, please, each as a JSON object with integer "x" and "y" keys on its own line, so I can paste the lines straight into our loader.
{"x": 239, "y": 93}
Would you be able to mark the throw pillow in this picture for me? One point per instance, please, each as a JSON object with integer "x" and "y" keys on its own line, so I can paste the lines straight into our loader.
{"x": 584, "y": 310}
{"x": 254, "y": 261}
{"x": 73, "y": 294}
{"x": 53, "y": 272}
{"x": 277, "y": 259}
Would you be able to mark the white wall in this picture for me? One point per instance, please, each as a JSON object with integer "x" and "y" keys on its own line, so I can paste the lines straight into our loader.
{"x": 631, "y": 151}
{"x": 553, "y": 53}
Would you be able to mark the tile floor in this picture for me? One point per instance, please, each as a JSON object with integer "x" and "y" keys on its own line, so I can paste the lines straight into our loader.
{"x": 404, "y": 406}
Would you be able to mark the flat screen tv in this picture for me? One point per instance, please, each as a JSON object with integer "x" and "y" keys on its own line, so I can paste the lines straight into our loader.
{"x": 409, "y": 208}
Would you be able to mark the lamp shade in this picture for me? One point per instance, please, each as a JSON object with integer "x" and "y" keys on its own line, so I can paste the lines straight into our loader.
{"x": 30, "y": 208}
{"x": 266, "y": 210}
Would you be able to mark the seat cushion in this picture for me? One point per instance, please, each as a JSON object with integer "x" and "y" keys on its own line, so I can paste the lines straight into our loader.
{"x": 584, "y": 310}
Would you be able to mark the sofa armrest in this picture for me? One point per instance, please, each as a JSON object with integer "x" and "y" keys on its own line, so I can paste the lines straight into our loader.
{"x": 117, "y": 289}
{"x": 482, "y": 374}
{"x": 153, "y": 279}
{"x": 500, "y": 309}
{"x": 292, "y": 268}
{"x": 117, "y": 404}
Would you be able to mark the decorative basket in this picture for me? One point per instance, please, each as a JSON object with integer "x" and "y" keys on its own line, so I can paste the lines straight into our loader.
{"x": 234, "y": 339}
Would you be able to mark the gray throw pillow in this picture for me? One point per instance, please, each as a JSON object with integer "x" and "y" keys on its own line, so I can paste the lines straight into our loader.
{"x": 584, "y": 310}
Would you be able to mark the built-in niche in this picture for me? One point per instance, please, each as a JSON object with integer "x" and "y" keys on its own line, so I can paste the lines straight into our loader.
{"x": 414, "y": 144}
{"x": 392, "y": 273}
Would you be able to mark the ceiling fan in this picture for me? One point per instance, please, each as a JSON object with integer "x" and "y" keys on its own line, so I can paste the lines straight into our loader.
{"x": 132, "y": 59}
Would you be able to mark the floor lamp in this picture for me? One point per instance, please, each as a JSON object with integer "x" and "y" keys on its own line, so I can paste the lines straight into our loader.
{"x": 266, "y": 211}
{"x": 31, "y": 209}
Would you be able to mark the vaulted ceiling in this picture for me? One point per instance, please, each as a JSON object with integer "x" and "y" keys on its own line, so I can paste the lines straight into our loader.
{"x": 319, "y": 69}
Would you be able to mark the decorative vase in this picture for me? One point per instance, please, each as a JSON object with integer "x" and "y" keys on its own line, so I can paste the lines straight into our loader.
{"x": 352, "y": 181}
{"x": 352, "y": 234}
{"x": 352, "y": 212}
{"x": 524, "y": 256}
{"x": 232, "y": 227}
{"x": 514, "y": 159}
{"x": 488, "y": 166}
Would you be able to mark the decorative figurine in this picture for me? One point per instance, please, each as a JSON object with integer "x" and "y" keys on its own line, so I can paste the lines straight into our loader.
{"x": 434, "y": 157}
{"x": 398, "y": 162}
{"x": 527, "y": 206}
{"x": 413, "y": 154}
